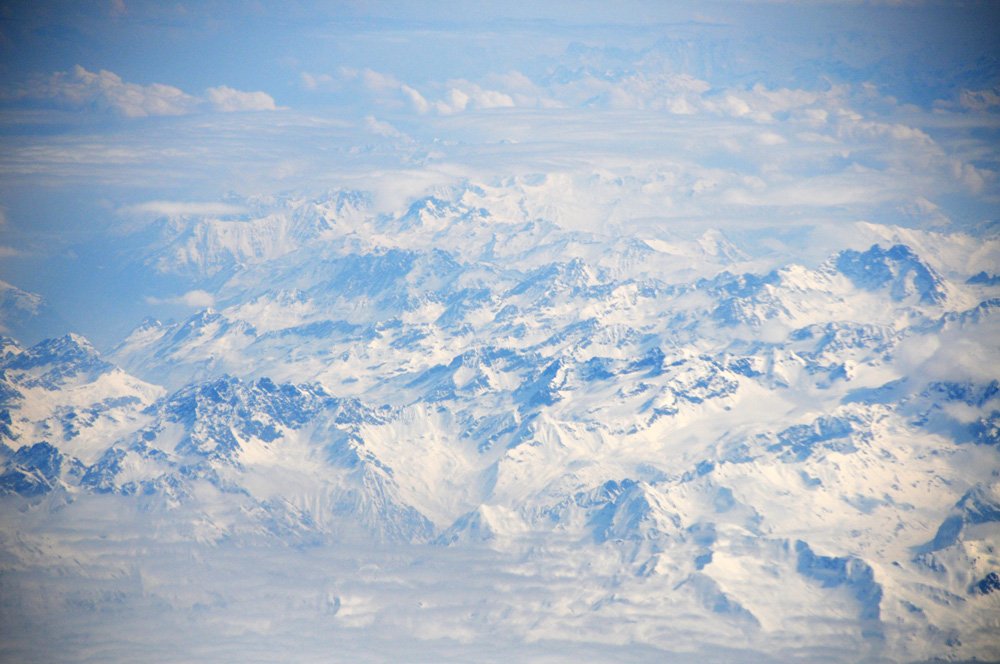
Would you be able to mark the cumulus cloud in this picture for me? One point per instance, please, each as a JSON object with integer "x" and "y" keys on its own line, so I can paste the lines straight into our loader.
{"x": 481, "y": 98}
{"x": 104, "y": 90}
{"x": 228, "y": 100}
{"x": 420, "y": 104}
{"x": 735, "y": 106}
{"x": 972, "y": 178}
{"x": 380, "y": 128}
{"x": 855, "y": 128}
{"x": 455, "y": 100}
{"x": 459, "y": 94}
{"x": 766, "y": 106}
{"x": 80, "y": 88}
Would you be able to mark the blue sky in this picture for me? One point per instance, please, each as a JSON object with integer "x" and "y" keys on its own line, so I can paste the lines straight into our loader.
{"x": 750, "y": 114}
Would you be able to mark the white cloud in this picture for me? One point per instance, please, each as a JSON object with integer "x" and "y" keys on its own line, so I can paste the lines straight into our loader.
{"x": 317, "y": 81}
{"x": 179, "y": 208}
{"x": 81, "y": 88}
{"x": 980, "y": 100}
{"x": 377, "y": 82}
{"x": 972, "y": 178}
{"x": 910, "y": 149}
{"x": 460, "y": 95}
{"x": 380, "y": 128}
{"x": 463, "y": 95}
{"x": 198, "y": 299}
{"x": 228, "y": 100}
{"x": 521, "y": 91}
{"x": 638, "y": 91}
{"x": 815, "y": 116}
{"x": 681, "y": 106}
{"x": 455, "y": 101}
{"x": 514, "y": 81}
{"x": 925, "y": 211}
{"x": 490, "y": 98}
{"x": 8, "y": 252}
{"x": 735, "y": 106}
{"x": 105, "y": 90}
{"x": 761, "y": 104}
{"x": 841, "y": 189}
{"x": 813, "y": 137}
{"x": 420, "y": 104}
{"x": 855, "y": 128}
{"x": 950, "y": 356}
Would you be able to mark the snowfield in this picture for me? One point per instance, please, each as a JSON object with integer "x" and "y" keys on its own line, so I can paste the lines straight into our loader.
{"x": 467, "y": 432}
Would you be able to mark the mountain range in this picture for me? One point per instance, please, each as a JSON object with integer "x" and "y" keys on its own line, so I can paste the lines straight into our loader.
{"x": 653, "y": 438}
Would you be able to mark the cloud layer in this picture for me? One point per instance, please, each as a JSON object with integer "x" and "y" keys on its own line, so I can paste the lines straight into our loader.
{"x": 178, "y": 209}
{"x": 106, "y": 91}
{"x": 828, "y": 144}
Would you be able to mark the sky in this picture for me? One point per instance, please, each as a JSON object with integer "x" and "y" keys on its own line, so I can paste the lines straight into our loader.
{"x": 734, "y": 115}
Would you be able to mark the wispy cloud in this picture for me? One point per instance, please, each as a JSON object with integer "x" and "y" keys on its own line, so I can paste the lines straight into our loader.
{"x": 974, "y": 101}
{"x": 454, "y": 96}
{"x": 198, "y": 299}
{"x": 106, "y": 91}
{"x": 180, "y": 208}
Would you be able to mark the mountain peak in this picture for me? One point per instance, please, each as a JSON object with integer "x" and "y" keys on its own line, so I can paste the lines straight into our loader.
{"x": 897, "y": 269}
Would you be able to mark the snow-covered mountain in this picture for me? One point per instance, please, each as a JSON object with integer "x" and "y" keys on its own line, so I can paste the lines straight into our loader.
{"x": 683, "y": 430}
{"x": 26, "y": 315}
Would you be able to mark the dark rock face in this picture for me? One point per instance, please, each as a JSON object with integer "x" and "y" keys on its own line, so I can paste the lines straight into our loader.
{"x": 53, "y": 361}
{"x": 978, "y": 506}
{"x": 800, "y": 441}
{"x": 742, "y": 299}
{"x": 975, "y": 507}
{"x": 100, "y": 477}
{"x": 221, "y": 412}
{"x": 632, "y": 515}
{"x": 848, "y": 571}
{"x": 898, "y": 269}
{"x": 988, "y": 584}
{"x": 32, "y": 470}
{"x": 986, "y": 430}
{"x": 947, "y": 534}
{"x": 984, "y": 279}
